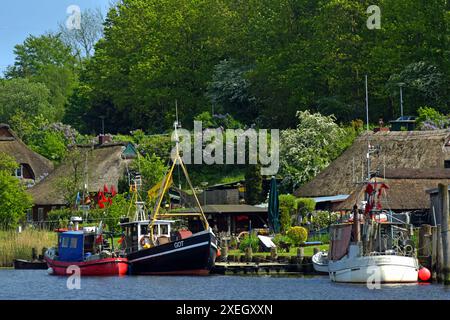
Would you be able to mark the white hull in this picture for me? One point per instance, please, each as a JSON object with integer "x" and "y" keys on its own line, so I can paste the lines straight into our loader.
{"x": 380, "y": 268}
{"x": 320, "y": 262}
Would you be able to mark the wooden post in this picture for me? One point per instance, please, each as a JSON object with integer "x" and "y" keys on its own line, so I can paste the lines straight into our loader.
{"x": 248, "y": 254}
{"x": 300, "y": 255}
{"x": 424, "y": 241}
{"x": 443, "y": 194}
{"x": 224, "y": 250}
{"x": 33, "y": 254}
{"x": 439, "y": 253}
{"x": 434, "y": 247}
{"x": 273, "y": 254}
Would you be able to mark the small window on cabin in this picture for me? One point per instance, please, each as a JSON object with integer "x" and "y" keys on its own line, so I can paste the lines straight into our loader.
{"x": 447, "y": 164}
{"x": 164, "y": 228}
{"x": 73, "y": 243}
{"x": 65, "y": 242}
{"x": 144, "y": 229}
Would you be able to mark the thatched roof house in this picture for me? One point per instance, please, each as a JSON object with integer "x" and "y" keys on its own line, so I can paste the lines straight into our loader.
{"x": 33, "y": 166}
{"x": 105, "y": 165}
{"x": 427, "y": 152}
{"x": 407, "y": 189}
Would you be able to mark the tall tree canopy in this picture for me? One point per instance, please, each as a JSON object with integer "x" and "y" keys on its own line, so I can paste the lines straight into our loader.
{"x": 47, "y": 60}
{"x": 261, "y": 61}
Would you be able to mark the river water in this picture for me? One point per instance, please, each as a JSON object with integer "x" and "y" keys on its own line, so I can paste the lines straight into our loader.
{"x": 37, "y": 284}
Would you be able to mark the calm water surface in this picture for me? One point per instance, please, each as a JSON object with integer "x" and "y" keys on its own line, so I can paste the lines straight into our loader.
{"x": 37, "y": 284}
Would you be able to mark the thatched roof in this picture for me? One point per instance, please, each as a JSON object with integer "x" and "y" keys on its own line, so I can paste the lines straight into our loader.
{"x": 13, "y": 146}
{"x": 407, "y": 189}
{"x": 400, "y": 150}
{"x": 105, "y": 165}
{"x": 228, "y": 209}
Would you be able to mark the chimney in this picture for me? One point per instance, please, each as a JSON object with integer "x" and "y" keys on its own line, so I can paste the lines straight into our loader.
{"x": 103, "y": 138}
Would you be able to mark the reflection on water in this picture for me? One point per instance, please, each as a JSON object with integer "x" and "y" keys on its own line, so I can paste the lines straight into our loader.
{"x": 37, "y": 284}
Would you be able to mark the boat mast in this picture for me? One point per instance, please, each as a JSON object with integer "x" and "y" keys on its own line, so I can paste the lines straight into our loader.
{"x": 168, "y": 180}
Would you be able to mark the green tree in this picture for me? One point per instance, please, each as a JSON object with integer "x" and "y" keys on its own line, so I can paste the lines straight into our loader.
{"x": 22, "y": 95}
{"x": 288, "y": 209}
{"x": 14, "y": 201}
{"x": 230, "y": 89}
{"x": 309, "y": 148}
{"x": 253, "y": 184}
{"x": 47, "y": 60}
{"x": 152, "y": 170}
{"x": 153, "y": 53}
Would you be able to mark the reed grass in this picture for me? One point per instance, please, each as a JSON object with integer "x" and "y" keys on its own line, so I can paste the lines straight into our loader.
{"x": 15, "y": 245}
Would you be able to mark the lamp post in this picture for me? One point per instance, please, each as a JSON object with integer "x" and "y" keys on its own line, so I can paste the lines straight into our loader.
{"x": 401, "y": 84}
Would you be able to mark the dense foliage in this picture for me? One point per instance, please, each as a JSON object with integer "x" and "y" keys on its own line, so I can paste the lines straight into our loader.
{"x": 14, "y": 201}
{"x": 294, "y": 65}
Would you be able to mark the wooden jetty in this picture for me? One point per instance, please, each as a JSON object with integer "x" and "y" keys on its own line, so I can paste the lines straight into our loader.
{"x": 265, "y": 264}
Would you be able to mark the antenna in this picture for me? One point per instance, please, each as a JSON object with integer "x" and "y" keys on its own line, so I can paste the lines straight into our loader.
{"x": 367, "y": 106}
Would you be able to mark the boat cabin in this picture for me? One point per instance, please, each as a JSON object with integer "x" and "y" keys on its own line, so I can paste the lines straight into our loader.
{"x": 71, "y": 246}
{"x": 137, "y": 234}
{"x": 79, "y": 246}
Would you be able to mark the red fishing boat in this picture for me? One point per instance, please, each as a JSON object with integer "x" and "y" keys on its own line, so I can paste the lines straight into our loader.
{"x": 87, "y": 250}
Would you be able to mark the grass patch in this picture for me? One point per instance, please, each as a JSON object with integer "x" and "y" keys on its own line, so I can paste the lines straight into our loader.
{"x": 15, "y": 245}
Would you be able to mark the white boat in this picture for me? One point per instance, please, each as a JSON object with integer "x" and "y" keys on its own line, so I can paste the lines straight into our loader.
{"x": 385, "y": 255}
{"x": 381, "y": 268}
{"x": 380, "y": 252}
{"x": 320, "y": 262}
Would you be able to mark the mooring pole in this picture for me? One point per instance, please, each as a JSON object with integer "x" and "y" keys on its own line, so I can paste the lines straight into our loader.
{"x": 443, "y": 194}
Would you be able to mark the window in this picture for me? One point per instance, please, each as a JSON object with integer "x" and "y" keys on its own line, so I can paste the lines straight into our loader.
{"x": 29, "y": 215}
{"x": 65, "y": 242}
{"x": 40, "y": 214}
{"x": 164, "y": 229}
{"x": 73, "y": 243}
{"x": 447, "y": 164}
{"x": 19, "y": 172}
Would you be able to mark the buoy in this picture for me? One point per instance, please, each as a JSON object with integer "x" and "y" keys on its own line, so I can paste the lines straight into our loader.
{"x": 218, "y": 253}
{"x": 424, "y": 274}
{"x": 50, "y": 271}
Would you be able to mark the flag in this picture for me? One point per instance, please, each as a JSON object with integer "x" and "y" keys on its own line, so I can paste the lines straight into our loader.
{"x": 99, "y": 238}
{"x": 113, "y": 190}
{"x": 154, "y": 191}
{"x": 78, "y": 199}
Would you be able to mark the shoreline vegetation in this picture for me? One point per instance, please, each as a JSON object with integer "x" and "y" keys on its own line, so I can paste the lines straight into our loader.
{"x": 15, "y": 245}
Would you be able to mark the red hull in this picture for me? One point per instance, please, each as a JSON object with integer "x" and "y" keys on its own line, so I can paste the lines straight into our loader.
{"x": 101, "y": 267}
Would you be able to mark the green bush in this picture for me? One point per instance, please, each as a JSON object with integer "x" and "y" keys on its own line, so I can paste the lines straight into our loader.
{"x": 305, "y": 206}
{"x": 298, "y": 235}
{"x": 287, "y": 210}
{"x": 323, "y": 219}
{"x": 250, "y": 240}
{"x": 282, "y": 242}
